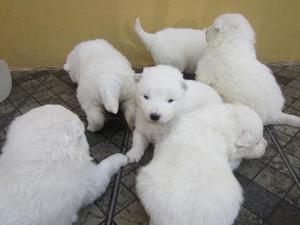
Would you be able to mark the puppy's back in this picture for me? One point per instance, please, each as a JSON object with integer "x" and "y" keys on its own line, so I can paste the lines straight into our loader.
{"x": 189, "y": 180}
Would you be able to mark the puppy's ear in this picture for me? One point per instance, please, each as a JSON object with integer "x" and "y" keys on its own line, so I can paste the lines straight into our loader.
{"x": 184, "y": 85}
{"x": 245, "y": 139}
{"x": 219, "y": 25}
{"x": 137, "y": 77}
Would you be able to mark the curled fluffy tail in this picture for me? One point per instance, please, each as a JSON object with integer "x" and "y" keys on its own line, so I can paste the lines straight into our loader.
{"x": 287, "y": 119}
{"x": 147, "y": 38}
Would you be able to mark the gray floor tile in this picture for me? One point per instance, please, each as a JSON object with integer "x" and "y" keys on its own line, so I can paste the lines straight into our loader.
{"x": 269, "y": 154}
{"x": 296, "y": 105}
{"x": 30, "y": 103}
{"x": 94, "y": 138}
{"x": 130, "y": 181}
{"x": 278, "y": 163}
{"x": 282, "y": 138}
{"x": 288, "y": 73}
{"x": 290, "y": 91}
{"x": 6, "y": 107}
{"x": 297, "y": 135}
{"x": 288, "y": 130}
{"x": 134, "y": 214}
{"x": 2, "y": 134}
{"x": 125, "y": 197}
{"x": 294, "y": 84}
{"x": 250, "y": 168}
{"x": 274, "y": 181}
{"x": 283, "y": 79}
{"x": 51, "y": 81}
{"x": 294, "y": 67}
{"x": 293, "y": 147}
{"x": 130, "y": 168}
{"x": 276, "y": 67}
{"x": 52, "y": 100}
{"x": 73, "y": 103}
{"x": 90, "y": 215}
{"x": 21, "y": 77}
{"x": 285, "y": 213}
{"x": 293, "y": 196}
{"x": 103, "y": 150}
{"x": 260, "y": 201}
{"x": 244, "y": 181}
{"x": 32, "y": 86}
{"x": 5, "y": 125}
{"x": 246, "y": 217}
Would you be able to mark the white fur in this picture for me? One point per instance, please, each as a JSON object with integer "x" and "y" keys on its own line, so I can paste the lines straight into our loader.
{"x": 179, "y": 47}
{"x": 229, "y": 64}
{"x": 46, "y": 173}
{"x": 161, "y": 84}
{"x": 189, "y": 180}
{"x": 104, "y": 78}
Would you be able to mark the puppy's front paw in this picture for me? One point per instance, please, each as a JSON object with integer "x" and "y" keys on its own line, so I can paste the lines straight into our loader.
{"x": 119, "y": 159}
{"x": 133, "y": 156}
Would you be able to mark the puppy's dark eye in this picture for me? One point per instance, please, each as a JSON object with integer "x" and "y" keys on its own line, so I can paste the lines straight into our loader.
{"x": 146, "y": 97}
{"x": 170, "y": 100}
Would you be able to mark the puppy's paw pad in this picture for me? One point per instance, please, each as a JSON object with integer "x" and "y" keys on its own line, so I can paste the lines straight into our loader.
{"x": 133, "y": 157}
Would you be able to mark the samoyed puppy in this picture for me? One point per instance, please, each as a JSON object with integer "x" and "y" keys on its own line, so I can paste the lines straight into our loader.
{"x": 179, "y": 47}
{"x": 190, "y": 180}
{"x": 229, "y": 64}
{"x": 46, "y": 173}
{"x": 104, "y": 78}
{"x": 162, "y": 97}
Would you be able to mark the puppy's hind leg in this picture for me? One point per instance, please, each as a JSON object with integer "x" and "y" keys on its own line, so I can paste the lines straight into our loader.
{"x": 95, "y": 117}
{"x": 129, "y": 112}
{"x": 95, "y": 113}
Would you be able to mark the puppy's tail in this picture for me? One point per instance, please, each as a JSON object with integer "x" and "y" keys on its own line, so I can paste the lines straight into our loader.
{"x": 287, "y": 119}
{"x": 147, "y": 38}
{"x": 110, "y": 92}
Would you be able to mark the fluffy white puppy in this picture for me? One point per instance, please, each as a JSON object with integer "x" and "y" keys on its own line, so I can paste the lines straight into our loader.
{"x": 189, "y": 180}
{"x": 179, "y": 47}
{"x": 104, "y": 78}
{"x": 162, "y": 97}
{"x": 229, "y": 64}
{"x": 46, "y": 173}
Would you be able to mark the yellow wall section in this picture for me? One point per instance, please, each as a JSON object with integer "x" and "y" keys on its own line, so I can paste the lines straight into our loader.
{"x": 40, "y": 33}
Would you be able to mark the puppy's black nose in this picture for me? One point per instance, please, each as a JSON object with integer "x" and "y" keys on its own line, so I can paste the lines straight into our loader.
{"x": 154, "y": 116}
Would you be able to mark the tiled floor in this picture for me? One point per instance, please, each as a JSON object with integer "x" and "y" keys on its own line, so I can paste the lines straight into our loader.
{"x": 271, "y": 196}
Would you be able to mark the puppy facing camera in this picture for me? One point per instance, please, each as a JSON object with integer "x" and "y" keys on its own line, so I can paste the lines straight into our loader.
{"x": 163, "y": 96}
{"x": 46, "y": 172}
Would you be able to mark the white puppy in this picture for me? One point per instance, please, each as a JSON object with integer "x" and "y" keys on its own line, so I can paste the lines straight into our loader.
{"x": 229, "y": 64}
{"x": 104, "y": 78}
{"x": 179, "y": 47}
{"x": 46, "y": 173}
{"x": 162, "y": 97}
{"x": 189, "y": 180}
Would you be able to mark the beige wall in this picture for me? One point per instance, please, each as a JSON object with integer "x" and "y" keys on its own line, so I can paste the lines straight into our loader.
{"x": 40, "y": 33}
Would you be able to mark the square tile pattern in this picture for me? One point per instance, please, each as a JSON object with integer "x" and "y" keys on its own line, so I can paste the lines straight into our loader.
{"x": 271, "y": 195}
